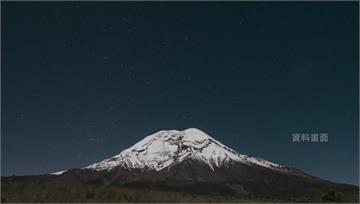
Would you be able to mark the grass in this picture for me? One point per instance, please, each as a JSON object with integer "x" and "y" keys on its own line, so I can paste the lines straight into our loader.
{"x": 23, "y": 191}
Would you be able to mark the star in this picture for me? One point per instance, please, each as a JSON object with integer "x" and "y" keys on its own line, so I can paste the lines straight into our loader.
{"x": 64, "y": 43}
{"x": 36, "y": 45}
{"x": 21, "y": 115}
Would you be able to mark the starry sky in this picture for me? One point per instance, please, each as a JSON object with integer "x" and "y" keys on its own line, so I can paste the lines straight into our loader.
{"x": 81, "y": 81}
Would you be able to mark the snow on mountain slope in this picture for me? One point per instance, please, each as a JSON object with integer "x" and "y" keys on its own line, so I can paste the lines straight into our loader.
{"x": 58, "y": 173}
{"x": 169, "y": 147}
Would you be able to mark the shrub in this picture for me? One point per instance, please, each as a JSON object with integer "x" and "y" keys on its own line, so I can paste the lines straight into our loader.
{"x": 332, "y": 196}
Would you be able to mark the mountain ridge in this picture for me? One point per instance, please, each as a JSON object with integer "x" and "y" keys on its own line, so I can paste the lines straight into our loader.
{"x": 166, "y": 148}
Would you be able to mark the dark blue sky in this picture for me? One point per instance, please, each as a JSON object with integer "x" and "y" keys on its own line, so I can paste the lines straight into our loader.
{"x": 83, "y": 81}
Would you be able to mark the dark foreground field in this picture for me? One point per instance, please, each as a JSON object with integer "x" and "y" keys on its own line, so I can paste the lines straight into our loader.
{"x": 25, "y": 191}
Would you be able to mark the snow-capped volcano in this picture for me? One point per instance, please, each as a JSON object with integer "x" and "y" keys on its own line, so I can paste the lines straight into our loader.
{"x": 190, "y": 161}
{"x": 167, "y": 148}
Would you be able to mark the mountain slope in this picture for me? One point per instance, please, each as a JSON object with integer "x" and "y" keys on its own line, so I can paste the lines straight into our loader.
{"x": 188, "y": 155}
{"x": 165, "y": 149}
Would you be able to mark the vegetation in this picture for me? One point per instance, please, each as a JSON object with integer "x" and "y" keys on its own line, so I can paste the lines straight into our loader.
{"x": 22, "y": 191}
{"x": 332, "y": 196}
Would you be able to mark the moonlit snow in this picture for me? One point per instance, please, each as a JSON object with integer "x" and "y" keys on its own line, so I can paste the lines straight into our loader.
{"x": 169, "y": 147}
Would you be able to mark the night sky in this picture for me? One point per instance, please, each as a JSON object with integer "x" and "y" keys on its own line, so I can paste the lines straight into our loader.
{"x": 83, "y": 81}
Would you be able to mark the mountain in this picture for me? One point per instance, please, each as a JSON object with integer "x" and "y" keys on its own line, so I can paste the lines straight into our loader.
{"x": 192, "y": 162}
{"x": 165, "y": 149}
{"x": 168, "y": 148}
